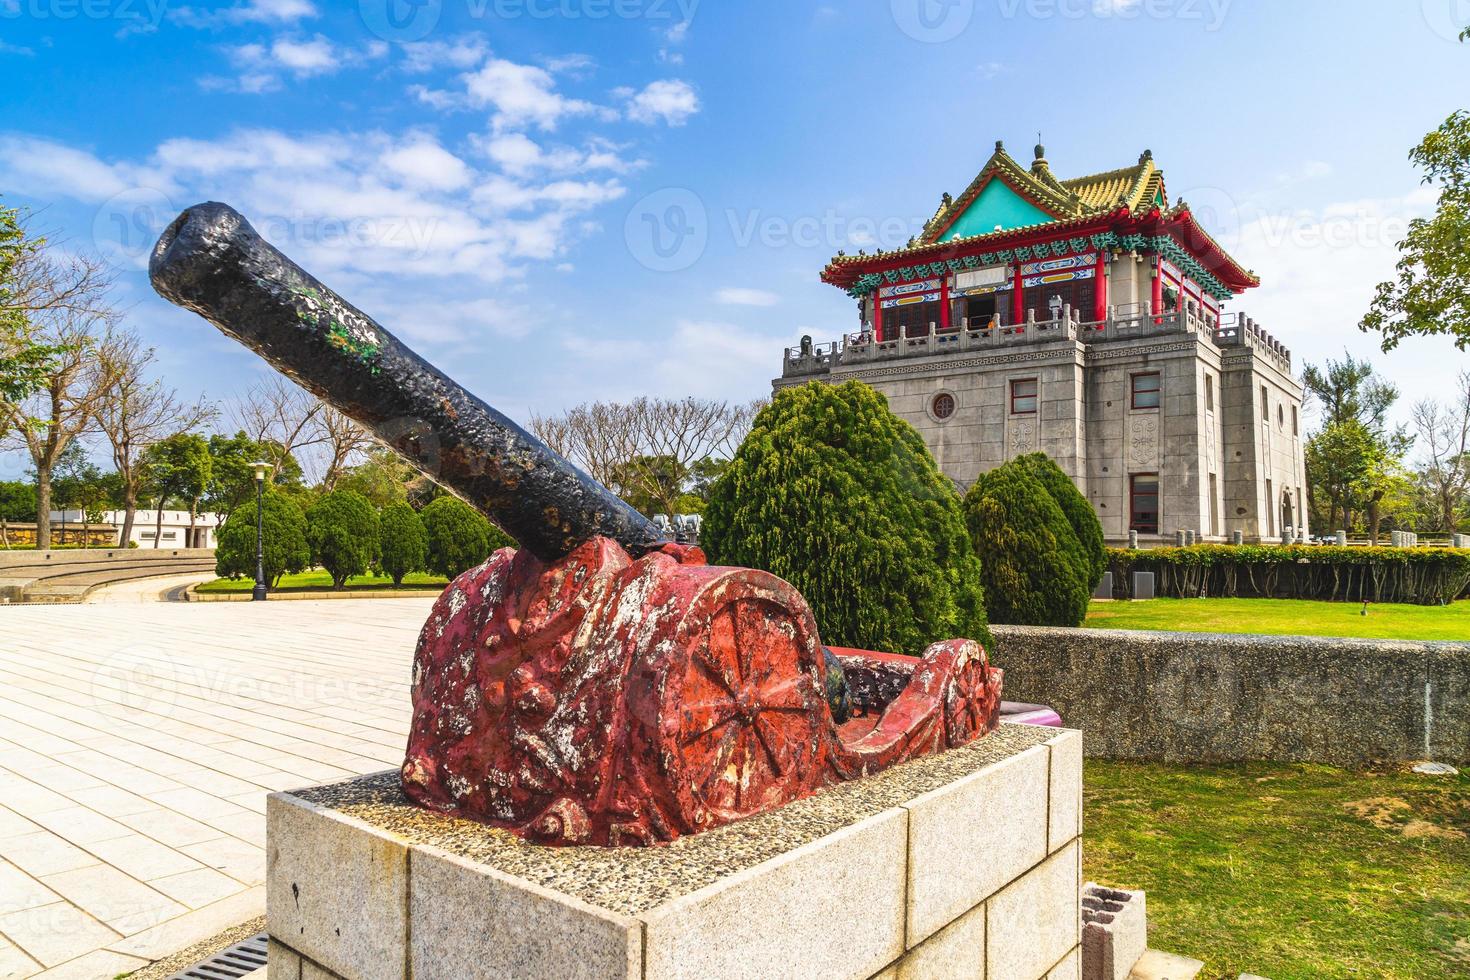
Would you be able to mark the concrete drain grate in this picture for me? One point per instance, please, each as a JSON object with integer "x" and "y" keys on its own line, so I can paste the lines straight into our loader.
{"x": 230, "y": 963}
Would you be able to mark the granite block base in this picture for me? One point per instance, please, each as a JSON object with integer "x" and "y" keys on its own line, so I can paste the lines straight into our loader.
{"x": 966, "y": 864}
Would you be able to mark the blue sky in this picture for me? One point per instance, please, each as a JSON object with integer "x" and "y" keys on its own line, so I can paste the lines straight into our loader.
{"x": 560, "y": 200}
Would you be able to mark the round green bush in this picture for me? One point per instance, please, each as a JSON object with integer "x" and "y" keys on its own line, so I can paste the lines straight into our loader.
{"x": 1078, "y": 511}
{"x": 1034, "y": 569}
{"x": 836, "y": 494}
{"x": 459, "y": 536}
{"x": 342, "y": 529}
{"x": 283, "y": 532}
{"x": 403, "y": 543}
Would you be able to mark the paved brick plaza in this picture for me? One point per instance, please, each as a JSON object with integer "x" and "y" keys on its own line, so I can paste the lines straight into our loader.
{"x": 137, "y": 745}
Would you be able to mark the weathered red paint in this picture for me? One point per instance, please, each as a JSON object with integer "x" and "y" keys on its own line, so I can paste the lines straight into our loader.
{"x": 603, "y": 700}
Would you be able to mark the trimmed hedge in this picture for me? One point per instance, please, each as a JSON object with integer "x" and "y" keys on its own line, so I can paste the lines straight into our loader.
{"x": 837, "y": 495}
{"x": 1078, "y": 511}
{"x": 1422, "y": 576}
{"x": 403, "y": 544}
{"x": 1034, "y": 569}
{"x": 459, "y": 537}
{"x": 342, "y": 529}
{"x": 283, "y": 536}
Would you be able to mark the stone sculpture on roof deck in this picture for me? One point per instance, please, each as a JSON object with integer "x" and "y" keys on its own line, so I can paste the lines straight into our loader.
{"x": 598, "y": 685}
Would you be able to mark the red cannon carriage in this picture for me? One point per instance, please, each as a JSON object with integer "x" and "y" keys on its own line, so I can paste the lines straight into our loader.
{"x": 597, "y": 685}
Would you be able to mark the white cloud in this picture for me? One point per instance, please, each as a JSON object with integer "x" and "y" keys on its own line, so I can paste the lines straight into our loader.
{"x": 521, "y": 95}
{"x": 670, "y": 100}
{"x": 460, "y": 54}
{"x": 260, "y": 66}
{"x": 8, "y": 48}
{"x": 44, "y": 169}
{"x": 1318, "y": 270}
{"x": 740, "y": 296}
{"x": 250, "y": 12}
{"x": 361, "y": 205}
{"x": 990, "y": 69}
{"x": 1107, "y": 8}
{"x": 517, "y": 154}
{"x": 426, "y": 164}
{"x": 304, "y": 58}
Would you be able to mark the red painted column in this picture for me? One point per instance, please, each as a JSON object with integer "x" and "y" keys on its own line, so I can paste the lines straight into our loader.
{"x": 1100, "y": 292}
{"x": 1018, "y": 300}
{"x": 1158, "y": 299}
{"x": 877, "y": 314}
{"x": 944, "y": 316}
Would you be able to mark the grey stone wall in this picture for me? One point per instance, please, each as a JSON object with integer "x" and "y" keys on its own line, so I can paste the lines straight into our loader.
{"x": 1193, "y": 697}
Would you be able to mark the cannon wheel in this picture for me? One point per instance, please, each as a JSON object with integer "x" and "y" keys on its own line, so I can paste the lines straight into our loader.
{"x": 745, "y": 721}
{"x": 967, "y": 709}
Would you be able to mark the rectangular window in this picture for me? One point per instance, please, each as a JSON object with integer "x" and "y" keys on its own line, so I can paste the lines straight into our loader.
{"x": 1143, "y": 507}
{"x": 1265, "y": 404}
{"x": 1295, "y": 422}
{"x": 1209, "y": 393}
{"x": 1023, "y": 397}
{"x": 1146, "y": 389}
{"x": 1078, "y": 293}
{"x": 911, "y": 320}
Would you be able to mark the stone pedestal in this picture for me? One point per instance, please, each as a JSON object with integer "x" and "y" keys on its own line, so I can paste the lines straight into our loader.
{"x": 967, "y": 864}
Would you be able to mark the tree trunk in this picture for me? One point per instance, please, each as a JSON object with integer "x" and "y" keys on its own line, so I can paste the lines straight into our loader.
{"x": 43, "y": 507}
{"x": 1373, "y": 522}
{"x": 193, "y": 509}
{"x": 130, "y": 513}
{"x": 158, "y": 525}
{"x": 4, "y": 534}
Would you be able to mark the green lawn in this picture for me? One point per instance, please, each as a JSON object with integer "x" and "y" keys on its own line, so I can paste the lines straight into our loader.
{"x": 318, "y": 579}
{"x": 1287, "y": 617}
{"x": 1289, "y": 871}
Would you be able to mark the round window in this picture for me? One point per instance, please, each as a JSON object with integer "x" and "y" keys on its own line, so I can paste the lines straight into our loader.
{"x": 943, "y": 406}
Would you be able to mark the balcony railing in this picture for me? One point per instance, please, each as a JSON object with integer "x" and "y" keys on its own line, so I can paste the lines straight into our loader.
{"x": 1122, "y": 323}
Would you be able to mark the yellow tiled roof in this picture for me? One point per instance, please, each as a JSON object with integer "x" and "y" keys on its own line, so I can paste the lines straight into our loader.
{"x": 1135, "y": 186}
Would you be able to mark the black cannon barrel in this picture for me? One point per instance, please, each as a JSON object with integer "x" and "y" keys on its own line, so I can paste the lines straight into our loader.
{"x": 210, "y": 260}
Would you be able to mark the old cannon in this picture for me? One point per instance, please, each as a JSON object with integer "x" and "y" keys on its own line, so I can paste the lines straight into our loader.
{"x": 597, "y": 685}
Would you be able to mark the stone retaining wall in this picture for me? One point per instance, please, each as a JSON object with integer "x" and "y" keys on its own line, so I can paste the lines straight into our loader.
{"x": 1195, "y": 697}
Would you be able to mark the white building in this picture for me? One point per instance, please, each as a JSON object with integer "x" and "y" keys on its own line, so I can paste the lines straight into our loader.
{"x": 175, "y": 532}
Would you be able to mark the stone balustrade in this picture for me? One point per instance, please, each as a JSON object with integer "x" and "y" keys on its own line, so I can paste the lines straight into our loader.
{"x": 1121, "y": 323}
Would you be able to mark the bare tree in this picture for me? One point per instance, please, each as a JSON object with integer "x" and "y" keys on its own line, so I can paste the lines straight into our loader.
{"x": 136, "y": 413}
{"x": 646, "y": 449}
{"x": 344, "y": 443}
{"x": 278, "y": 414}
{"x": 599, "y": 437}
{"x": 1444, "y": 438}
{"x": 77, "y": 380}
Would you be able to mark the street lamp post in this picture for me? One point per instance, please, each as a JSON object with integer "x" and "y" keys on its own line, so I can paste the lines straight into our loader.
{"x": 257, "y": 594}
